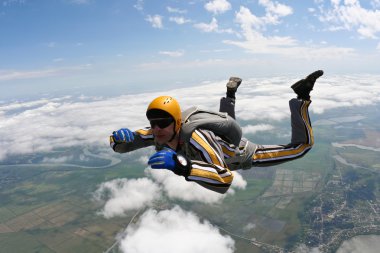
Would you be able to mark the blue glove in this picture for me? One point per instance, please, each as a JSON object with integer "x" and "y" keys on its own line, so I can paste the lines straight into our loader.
{"x": 123, "y": 135}
{"x": 168, "y": 159}
{"x": 163, "y": 159}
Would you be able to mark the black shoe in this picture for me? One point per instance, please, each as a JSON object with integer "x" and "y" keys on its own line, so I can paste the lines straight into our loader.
{"x": 233, "y": 83}
{"x": 232, "y": 86}
{"x": 303, "y": 87}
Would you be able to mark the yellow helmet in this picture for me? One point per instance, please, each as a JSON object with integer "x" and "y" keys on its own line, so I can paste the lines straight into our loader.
{"x": 170, "y": 106}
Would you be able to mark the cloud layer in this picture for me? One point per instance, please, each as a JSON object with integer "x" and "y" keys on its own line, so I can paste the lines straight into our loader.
{"x": 47, "y": 124}
{"x": 174, "y": 230}
{"x": 178, "y": 188}
{"x": 122, "y": 195}
{"x": 119, "y": 196}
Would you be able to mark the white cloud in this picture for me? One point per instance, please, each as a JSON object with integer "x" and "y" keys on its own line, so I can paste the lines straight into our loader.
{"x": 29, "y": 104}
{"x": 218, "y": 6}
{"x": 274, "y": 11}
{"x": 175, "y": 10}
{"x": 350, "y": 15}
{"x": 255, "y": 41}
{"x": 139, "y": 5}
{"x": 304, "y": 249}
{"x": 257, "y": 128}
{"x": 6, "y": 75}
{"x": 358, "y": 244}
{"x": 249, "y": 227}
{"x": 247, "y": 20}
{"x": 123, "y": 195}
{"x": 155, "y": 20}
{"x": 12, "y": 2}
{"x": 179, "y": 20}
{"x": 238, "y": 182}
{"x": 212, "y": 27}
{"x": 178, "y": 188}
{"x": 144, "y": 159}
{"x": 173, "y": 53}
{"x": 375, "y": 4}
{"x": 174, "y": 230}
{"x": 11, "y": 75}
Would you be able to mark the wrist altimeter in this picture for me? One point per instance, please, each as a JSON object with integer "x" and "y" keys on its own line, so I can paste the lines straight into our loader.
{"x": 183, "y": 165}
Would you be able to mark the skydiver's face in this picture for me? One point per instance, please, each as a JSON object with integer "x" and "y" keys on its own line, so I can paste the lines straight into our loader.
{"x": 163, "y": 135}
{"x": 162, "y": 131}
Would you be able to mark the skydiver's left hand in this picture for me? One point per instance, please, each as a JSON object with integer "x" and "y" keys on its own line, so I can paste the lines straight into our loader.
{"x": 163, "y": 159}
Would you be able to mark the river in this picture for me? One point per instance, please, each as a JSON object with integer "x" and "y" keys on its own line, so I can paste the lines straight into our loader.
{"x": 361, "y": 243}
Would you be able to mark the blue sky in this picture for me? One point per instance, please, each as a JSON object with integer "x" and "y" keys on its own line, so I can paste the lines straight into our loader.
{"x": 120, "y": 46}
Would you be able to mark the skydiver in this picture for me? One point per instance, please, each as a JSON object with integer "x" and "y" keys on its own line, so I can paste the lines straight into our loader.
{"x": 208, "y": 155}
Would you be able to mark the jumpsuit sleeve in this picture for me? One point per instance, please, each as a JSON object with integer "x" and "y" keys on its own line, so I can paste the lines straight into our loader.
{"x": 143, "y": 138}
{"x": 210, "y": 171}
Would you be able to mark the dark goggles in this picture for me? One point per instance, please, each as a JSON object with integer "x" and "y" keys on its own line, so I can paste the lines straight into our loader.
{"x": 160, "y": 122}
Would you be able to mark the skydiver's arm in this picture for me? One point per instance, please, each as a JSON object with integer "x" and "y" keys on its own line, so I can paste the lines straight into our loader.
{"x": 211, "y": 172}
{"x": 210, "y": 176}
{"x": 142, "y": 138}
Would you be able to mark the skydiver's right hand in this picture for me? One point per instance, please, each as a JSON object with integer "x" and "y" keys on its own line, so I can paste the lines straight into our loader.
{"x": 123, "y": 135}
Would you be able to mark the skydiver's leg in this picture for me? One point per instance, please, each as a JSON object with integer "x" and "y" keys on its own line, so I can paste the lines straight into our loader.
{"x": 301, "y": 142}
{"x": 227, "y": 104}
{"x": 302, "y": 133}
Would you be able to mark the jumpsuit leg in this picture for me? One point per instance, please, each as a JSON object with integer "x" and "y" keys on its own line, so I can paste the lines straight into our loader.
{"x": 301, "y": 142}
{"x": 227, "y": 105}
